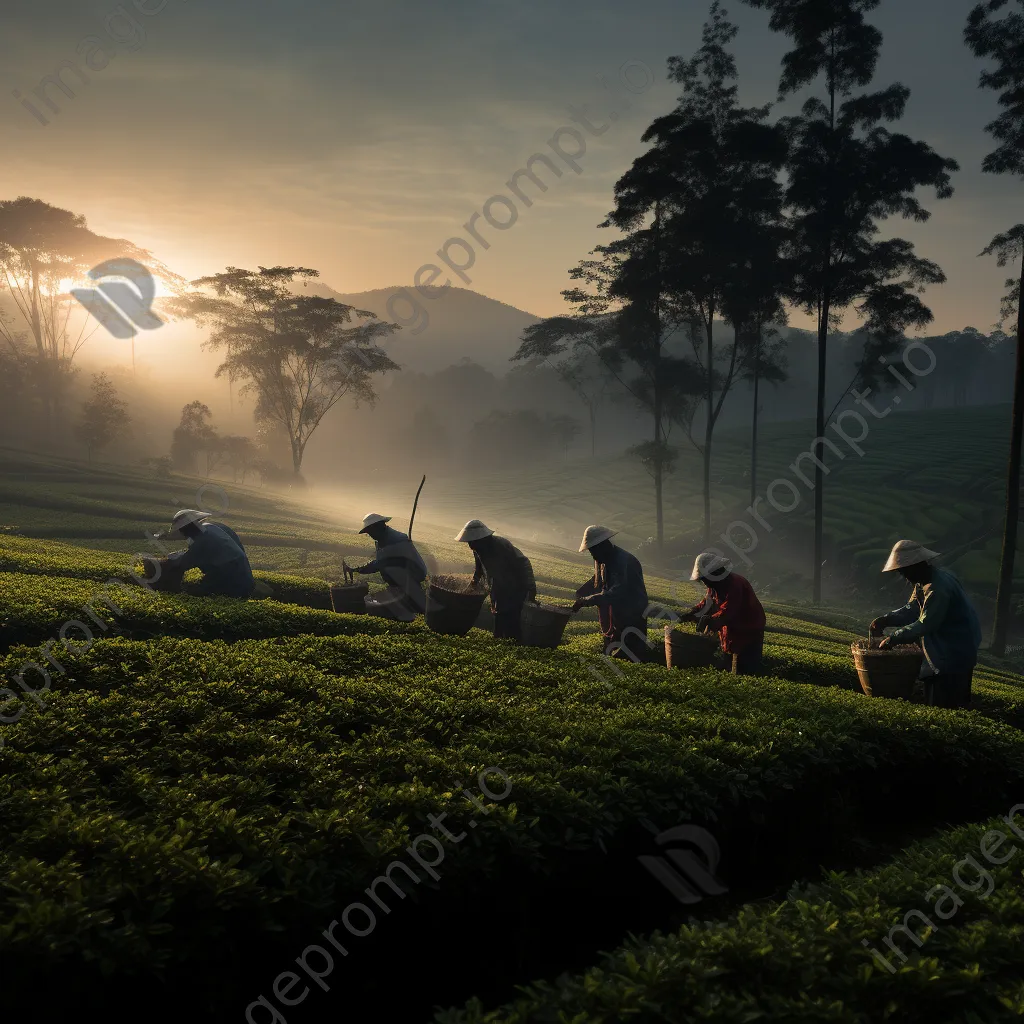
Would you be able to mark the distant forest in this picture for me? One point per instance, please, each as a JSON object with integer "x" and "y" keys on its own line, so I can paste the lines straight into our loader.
{"x": 463, "y": 414}
{"x": 466, "y": 416}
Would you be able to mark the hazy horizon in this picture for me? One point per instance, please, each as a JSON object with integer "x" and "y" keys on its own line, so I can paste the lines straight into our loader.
{"x": 358, "y": 149}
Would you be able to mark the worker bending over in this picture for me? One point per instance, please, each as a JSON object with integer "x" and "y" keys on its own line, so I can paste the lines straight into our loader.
{"x": 400, "y": 567}
{"x": 939, "y": 615}
{"x": 619, "y": 594}
{"x": 215, "y": 550}
{"x": 508, "y": 574}
{"x": 731, "y": 609}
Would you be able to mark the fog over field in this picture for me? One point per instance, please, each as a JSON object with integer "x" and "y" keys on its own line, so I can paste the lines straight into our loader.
{"x": 510, "y": 512}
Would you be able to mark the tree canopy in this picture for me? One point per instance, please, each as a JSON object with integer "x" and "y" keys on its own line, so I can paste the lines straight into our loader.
{"x": 298, "y": 354}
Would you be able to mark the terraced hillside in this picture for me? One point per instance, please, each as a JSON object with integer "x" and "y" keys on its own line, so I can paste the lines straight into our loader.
{"x": 265, "y": 811}
{"x": 936, "y": 476}
{"x": 205, "y": 801}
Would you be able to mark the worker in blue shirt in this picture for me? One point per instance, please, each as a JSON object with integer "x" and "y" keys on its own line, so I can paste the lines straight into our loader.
{"x": 215, "y": 550}
{"x": 939, "y": 615}
{"x": 618, "y": 592}
{"x": 400, "y": 566}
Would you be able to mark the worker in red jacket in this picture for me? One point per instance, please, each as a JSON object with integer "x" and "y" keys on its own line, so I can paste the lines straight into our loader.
{"x": 735, "y": 612}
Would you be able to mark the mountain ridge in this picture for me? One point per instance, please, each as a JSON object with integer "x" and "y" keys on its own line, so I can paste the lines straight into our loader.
{"x": 459, "y": 323}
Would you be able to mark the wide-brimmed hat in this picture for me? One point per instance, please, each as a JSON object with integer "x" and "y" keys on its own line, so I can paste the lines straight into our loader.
{"x": 908, "y": 552}
{"x": 372, "y": 519}
{"x": 594, "y": 535}
{"x": 709, "y": 565}
{"x": 474, "y": 530}
{"x": 183, "y": 518}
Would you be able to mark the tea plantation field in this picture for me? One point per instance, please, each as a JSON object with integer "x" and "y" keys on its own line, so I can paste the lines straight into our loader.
{"x": 217, "y": 810}
{"x": 898, "y": 486}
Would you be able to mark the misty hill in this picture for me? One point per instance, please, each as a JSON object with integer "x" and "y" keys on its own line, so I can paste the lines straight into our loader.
{"x": 459, "y": 323}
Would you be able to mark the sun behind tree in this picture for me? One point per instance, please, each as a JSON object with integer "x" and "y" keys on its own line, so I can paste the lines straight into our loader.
{"x": 299, "y": 354}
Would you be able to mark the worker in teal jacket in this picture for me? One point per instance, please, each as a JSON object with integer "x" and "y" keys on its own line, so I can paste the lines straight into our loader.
{"x": 214, "y": 549}
{"x": 400, "y": 566}
{"x": 939, "y": 615}
{"x": 618, "y": 592}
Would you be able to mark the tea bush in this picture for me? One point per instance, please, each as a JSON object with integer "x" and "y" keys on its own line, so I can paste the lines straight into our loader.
{"x": 178, "y": 795}
{"x": 34, "y": 609}
{"x": 810, "y": 957}
{"x": 28, "y": 556}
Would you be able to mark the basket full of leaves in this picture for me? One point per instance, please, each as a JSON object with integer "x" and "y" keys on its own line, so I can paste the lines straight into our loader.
{"x": 453, "y": 604}
{"x": 544, "y": 624}
{"x": 689, "y": 650}
{"x": 891, "y": 672}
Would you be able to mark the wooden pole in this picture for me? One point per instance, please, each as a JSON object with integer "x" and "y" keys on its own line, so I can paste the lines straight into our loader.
{"x": 415, "y": 503}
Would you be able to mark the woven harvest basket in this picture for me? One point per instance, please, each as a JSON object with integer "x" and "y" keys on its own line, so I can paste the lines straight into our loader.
{"x": 689, "y": 650}
{"x": 453, "y": 606}
{"x": 544, "y": 624}
{"x": 348, "y": 598}
{"x": 890, "y": 673}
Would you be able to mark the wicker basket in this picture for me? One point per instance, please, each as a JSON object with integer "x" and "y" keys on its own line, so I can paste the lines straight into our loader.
{"x": 348, "y": 598}
{"x": 453, "y": 606}
{"x": 689, "y": 650}
{"x": 544, "y": 624}
{"x": 890, "y": 673}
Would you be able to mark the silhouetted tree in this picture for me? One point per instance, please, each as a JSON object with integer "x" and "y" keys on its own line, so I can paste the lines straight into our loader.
{"x": 1009, "y": 248}
{"x": 625, "y": 317}
{"x": 764, "y": 361}
{"x": 192, "y": 435}
{"x": 299, "y": 354}
{"x": 104, "y": 416}
{"x": 723, "y": 162}
{"x": 846, "y": 172}
{"x": 565, "y": 429}
{"x": 690, "y": 209}
{"x": 42, "y": 248}
{"x": 1002, "y": 42}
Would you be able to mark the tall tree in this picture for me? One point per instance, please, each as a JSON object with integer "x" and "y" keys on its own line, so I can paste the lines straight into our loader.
{"x": 104, "y": 416}
{"x": 754, "y": 297}
{"x": 764, "y": 362}
{"x": 299, "y": 354}
{"x": 1009, "y": 248}
{"x": 1001, "y": 40}
{"x": 44, "y": 250}
{"x": 625, "y": 319}
{"x": 846, "y": 172}
{"x": 712, "y": 172}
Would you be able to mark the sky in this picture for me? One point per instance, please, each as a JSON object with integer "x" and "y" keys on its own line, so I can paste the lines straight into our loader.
{"x": 358, "y": 138}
